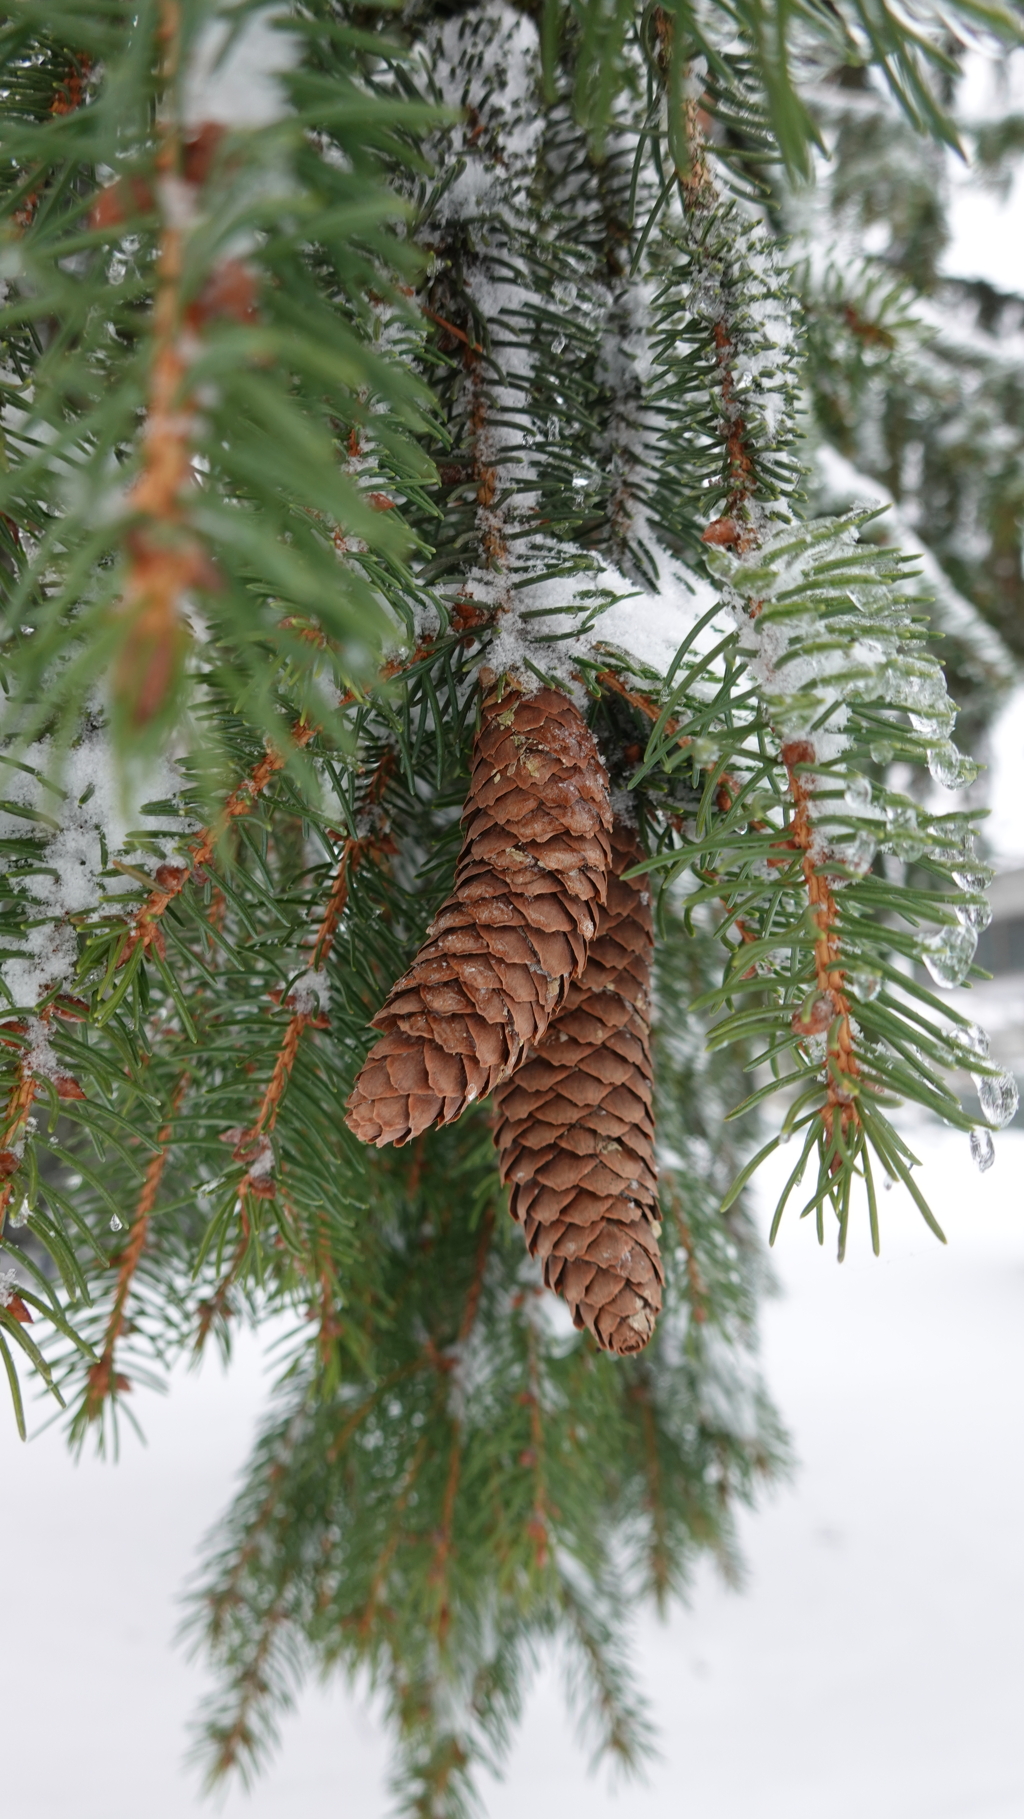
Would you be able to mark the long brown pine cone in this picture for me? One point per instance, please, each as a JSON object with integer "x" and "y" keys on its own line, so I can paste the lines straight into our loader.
{"x": 502, "y": 951}
{"x": 575, "y": 1130}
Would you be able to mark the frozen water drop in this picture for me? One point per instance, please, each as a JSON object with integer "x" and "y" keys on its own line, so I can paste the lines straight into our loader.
{"x": 977, "y": 913}
{"x": 999, "y": 1096}
{"x": 978, "y": 1038}
{"x": 948, "y": 954}
{"x": 937, "y": 725}
{"x": 116, "y": 1224}
{"x": 784, "y": 1136}
{"x": 859, "y": 852}
{"x": 904, "y": 832}
{"x": 983, "y": 1149}
{"x": 865, "y": 986}
{"x": 20, "y": 1217}
{"x": 950, "y": 768}
{"x": 858, "y": 793}
{"x": 973, "y": 877}
{"x": 972, "y": 1040}
{"x": 888, "y": 1183}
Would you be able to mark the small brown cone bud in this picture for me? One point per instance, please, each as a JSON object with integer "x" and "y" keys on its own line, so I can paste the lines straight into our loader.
{"x": 502, "y": 951}
{"x": 575, "y": 1131}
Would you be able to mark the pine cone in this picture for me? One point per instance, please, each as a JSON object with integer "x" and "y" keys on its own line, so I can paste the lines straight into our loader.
{"x": 575, "y": 1130}
{"x": 500, "y": 955}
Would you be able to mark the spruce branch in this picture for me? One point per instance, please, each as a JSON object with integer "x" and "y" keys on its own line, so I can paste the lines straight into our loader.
{"x": 103, "y": 1381}
{"x": 475, "y": 368}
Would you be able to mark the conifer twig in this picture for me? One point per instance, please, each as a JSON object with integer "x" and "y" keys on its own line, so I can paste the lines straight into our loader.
{"x": 256, "y": 1181}
{"x": 171, "y": 880}
{"x": 22, "y": 1097}
{"x": 443, "y": 1545}
{"x": 163, "y": 563}
{"x": 831, "y": 1009}
{"x": 103, "y": 1379}
{"x": 737, "y": 526}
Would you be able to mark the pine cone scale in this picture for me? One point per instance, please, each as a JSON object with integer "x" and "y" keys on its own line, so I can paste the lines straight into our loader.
{"x": 575, "y": 1133}
{"x": 502, "y": 952}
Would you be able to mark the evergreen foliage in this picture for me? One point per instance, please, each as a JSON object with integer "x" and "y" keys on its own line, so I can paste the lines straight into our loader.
{"x": 453, "y": 346}
{"x": 916, "y": 377}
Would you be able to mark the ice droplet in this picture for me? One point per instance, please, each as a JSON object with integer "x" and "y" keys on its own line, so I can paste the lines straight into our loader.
{"x": 950, "y": 768}
{"x": 858, "y": 793}
{"x": 859, "y": 852}
{"x": 977, "y": 913}
{"x": 998, "y": 1095}
{"x": 983, "y": 1149}
{"x": 116, "y": 1224}
{"x": 904, "y": 832}
{"x": 973, "y": 1039}
{"x": 865, "y": 986}
{"x": 948, "y": 954}
{"x": 20, "y": 1217}
{"x": 973, "y": 877}
{"x": 784, "y": 1136}
{"x": 888, "y": 1183}
{"x": 937, "y": 725}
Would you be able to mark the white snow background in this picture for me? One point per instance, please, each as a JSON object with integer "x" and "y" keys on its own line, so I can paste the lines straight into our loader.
{"x": 873, "y": 1665}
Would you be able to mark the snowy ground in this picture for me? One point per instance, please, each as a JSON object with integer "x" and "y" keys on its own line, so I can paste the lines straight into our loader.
{"x": 874, "y": 1664}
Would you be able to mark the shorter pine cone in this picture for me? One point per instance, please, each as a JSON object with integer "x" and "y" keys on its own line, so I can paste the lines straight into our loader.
{"x": 501, "y": 952}
{"x": 575, "y": 1129}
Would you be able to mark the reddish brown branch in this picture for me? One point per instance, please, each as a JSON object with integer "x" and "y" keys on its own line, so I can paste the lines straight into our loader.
{"x": 254, "y": 1139}
{"x": 537, "y": 1527}
{"x": 103, "y": 1378}
{"x": 727, "y": 785}
{"x": 391, "y": 1546}
{"x": 443, "y": 1547}
{"x": 23, "y": 1094}
{"x": 698, "y": 1287}
{"x": 67, "y": 100}
{"x": 19, "y": 1109}
{"x": 170, "y": 880}
{"x": 831, "y": 1009}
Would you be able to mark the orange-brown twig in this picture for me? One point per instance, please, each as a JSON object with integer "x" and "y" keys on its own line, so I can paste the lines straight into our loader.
{"x": 67, "y": 99}
{"x": 698, "y": 1287}
{"x": 252, "y": 1145}
{"x": 19, "y": 1109}
{"x": 699, "y": 194}
{"x": 831, "y": 1009}
{"x": 170, "y": 880}
{"x": 727, "y": 785}
{"x": 393, "y": 1541}
{"x": 255, "y": 1180}
{"x": 21, "y": 1100}
{"x": 537, "y": 1527}
{"x": 103, "y": 1378}
{"x": 163, "y": 561}
{"x": 443, "y": 1545}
